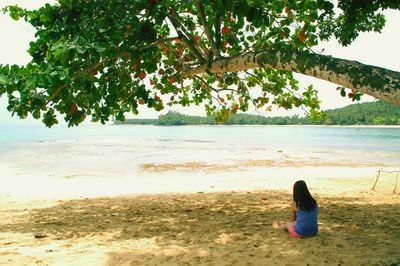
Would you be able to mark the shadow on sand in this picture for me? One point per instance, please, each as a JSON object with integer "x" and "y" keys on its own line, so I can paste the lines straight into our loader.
{"x": 216, "y": 229}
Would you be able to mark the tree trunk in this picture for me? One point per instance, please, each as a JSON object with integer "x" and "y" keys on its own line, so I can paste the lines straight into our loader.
{"x": 377, "y": 82}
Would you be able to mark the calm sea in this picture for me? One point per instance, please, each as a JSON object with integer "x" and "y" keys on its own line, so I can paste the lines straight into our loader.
{"x": 280, "y": 137}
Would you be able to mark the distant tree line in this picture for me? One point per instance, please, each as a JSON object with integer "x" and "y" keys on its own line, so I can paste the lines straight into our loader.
{"x": 137, "y": 121}
{"x": 371, "y": 113}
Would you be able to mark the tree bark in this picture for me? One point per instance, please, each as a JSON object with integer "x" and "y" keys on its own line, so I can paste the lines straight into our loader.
{"x": 375, "y": 81}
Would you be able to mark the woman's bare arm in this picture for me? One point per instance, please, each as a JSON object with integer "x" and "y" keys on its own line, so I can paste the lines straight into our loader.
{"x": 293, "y": 210}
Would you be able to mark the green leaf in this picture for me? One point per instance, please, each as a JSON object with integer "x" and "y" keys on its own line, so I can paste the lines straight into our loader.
{"x": 343, "y": 92}
{"x": 36, "y": 114}
{"x": 4, "y": 80}
{"x": 99, "y": 48}
{"x": 31, "y": 80}
{"x": 32, "y": 15}
{"x": 41, "y": 81}
{"x": 80, "y": 50}
{"x": 15, "y": 16}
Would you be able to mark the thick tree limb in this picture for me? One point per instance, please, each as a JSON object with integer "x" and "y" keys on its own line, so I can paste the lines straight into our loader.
{"x": 375, "y": 81}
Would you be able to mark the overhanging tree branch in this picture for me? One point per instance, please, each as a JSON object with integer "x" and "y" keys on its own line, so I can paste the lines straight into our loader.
{"x": 217, "y": 29}
{"x": 186, "y": 38}
{"x": 375, "y": 81}
{"x": 117, "y": 56}
{"x": 83, "y": 72}
{"x": 207, "y": 30}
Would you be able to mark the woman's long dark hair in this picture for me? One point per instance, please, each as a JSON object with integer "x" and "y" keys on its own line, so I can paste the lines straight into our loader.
{"x": 302, "y": 197}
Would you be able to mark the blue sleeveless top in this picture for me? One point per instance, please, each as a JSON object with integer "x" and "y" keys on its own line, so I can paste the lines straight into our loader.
{"x": 307, "y": 222}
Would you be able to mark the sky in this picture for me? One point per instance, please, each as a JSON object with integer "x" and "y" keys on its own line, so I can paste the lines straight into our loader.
{"x": 379, "y": 49}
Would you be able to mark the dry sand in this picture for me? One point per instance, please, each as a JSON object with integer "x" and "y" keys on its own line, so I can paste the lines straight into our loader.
{"x": 72, "y": 215}
{"x": 224, "y": 228}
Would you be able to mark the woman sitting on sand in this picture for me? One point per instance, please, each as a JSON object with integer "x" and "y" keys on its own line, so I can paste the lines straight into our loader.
{"x": 304, "y": 213}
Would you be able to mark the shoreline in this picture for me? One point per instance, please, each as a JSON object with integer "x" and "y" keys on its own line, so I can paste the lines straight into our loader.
{"x": 63, "y": 184}
{"x": 99, "y": 166}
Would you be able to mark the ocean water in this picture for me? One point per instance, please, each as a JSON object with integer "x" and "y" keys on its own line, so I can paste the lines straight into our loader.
{"x": 219, "y": 143}
{"x": 127, "y": 159}
{"x": 362, "y": 138}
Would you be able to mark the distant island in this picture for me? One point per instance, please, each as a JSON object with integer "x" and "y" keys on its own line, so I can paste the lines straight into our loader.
{"x": 371, "y": 113}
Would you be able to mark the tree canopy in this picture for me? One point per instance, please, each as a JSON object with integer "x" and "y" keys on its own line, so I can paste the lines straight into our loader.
{"x": 103, "y": 59}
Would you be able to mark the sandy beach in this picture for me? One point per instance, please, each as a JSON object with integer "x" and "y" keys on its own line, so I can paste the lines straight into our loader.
{"x": 86, "y": 203}
{"x": 224, "y": 228}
